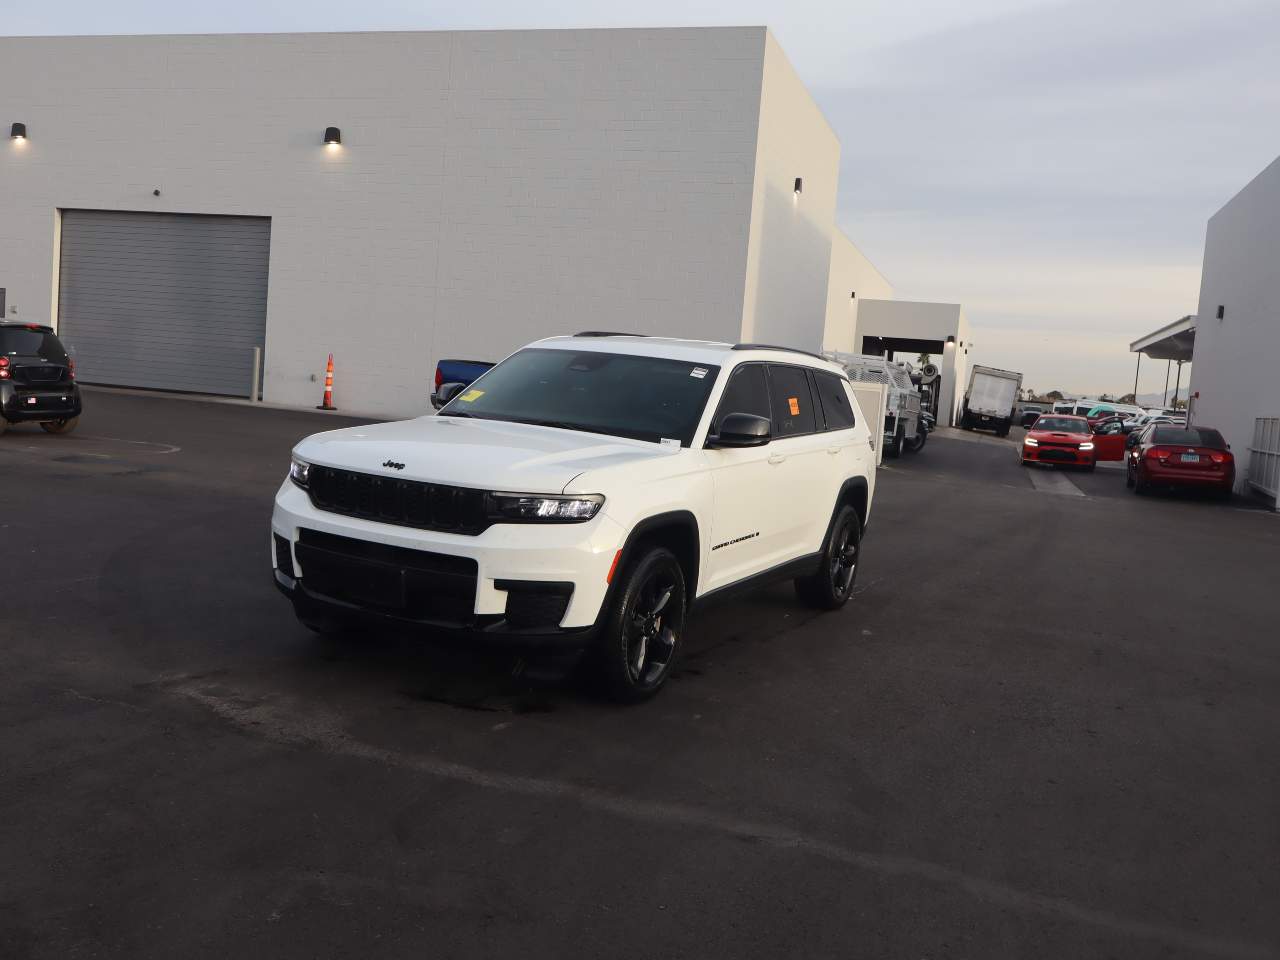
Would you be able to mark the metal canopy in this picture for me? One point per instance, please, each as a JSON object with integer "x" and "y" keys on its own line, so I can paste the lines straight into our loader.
{"x": 1176, "y": 341}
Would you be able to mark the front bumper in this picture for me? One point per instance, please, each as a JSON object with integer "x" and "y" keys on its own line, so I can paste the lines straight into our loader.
{"x": 520, "y": 584}
{"x": 19, "y": 402}
{"x": 1062, "y": 456}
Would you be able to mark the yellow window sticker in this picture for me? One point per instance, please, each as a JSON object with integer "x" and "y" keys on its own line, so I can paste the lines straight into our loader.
{"x": 471, "y": 395}
{"x": 794, "y": 404}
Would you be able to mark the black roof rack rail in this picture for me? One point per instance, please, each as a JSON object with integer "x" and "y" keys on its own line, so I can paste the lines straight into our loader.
{"x": 773, "y": 346}
{"x": 608, "y": 333}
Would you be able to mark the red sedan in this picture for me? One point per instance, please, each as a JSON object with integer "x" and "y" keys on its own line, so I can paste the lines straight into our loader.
{"x": 1064, "y": 440}
{"x": 1168, "y": 455}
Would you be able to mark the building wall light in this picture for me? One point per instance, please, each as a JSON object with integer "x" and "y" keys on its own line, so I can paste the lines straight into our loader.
{"x": 18, "y": 131}
{"x": 332, "y": 136}
{"x": 799, "y": 185}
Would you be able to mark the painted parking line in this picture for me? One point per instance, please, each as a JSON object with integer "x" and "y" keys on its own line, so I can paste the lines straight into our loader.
{"x": 1053, "y": 481}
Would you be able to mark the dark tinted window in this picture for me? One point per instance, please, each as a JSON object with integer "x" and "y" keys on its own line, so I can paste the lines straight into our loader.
{"x": 746, "y": 392}
{"x": 1189, "y": 437}
{"x": 21, "y": 342}
{"x": 836, "y": 407}
{"x": 793, "y": 411}
{"x": 646, "y": 398}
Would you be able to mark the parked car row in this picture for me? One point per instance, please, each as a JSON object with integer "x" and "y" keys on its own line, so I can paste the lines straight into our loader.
{"x": 1162, "y": 453}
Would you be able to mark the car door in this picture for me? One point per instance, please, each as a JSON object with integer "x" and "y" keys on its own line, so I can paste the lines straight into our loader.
{"x": 745, "y": 532}
{"x": 848, "y": 454}
{"x": 1108, "y": 441}
{"x": 803, "y": 503}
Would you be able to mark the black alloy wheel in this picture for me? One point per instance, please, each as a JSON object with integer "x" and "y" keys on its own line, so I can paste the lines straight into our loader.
{"x": 642, "y": 635}
{"x": 832, "y": 584}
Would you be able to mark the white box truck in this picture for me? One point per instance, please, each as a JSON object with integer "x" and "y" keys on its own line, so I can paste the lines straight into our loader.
{"x": 989, "y": 401}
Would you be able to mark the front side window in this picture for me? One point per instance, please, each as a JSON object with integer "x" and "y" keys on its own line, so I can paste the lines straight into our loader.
{"x": 836, "y": 406}
{"x": 792, "y": 401}
{"x": 746, "y": 392}
{"x": 622, "y": 395}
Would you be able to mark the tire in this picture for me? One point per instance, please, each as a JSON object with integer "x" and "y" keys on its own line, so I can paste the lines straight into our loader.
{"x": 830, "y": 586}
{"x": 4, "y": 425}
{"x": 1089, "y": 468}
{"x": 1140, "y": 486}
{"x": 65, "y": 425}
{"x": 641, "y": 638}
{"x": 1128, "y": 476}
{"x": 894, "y": 449}
{"x": 916, "y": 443}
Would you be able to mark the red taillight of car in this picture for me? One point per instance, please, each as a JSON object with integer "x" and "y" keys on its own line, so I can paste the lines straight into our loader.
{"x": 1220, "y": 456}
{"x": 439, "y": 377}
{"x": 71, "y": 368}
{"x": 1158, "y": 453}
{"x": 4, "y": 368}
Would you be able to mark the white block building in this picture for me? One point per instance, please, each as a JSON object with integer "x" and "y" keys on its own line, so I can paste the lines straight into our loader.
{"x": 1236, "y": 368}
{"x": 173, "y": 205}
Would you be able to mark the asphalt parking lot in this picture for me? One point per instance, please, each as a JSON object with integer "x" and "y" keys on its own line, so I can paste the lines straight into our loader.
{"x": 1046, "y": 727}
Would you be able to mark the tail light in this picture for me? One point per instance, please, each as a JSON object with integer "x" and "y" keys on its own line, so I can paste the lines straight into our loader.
{"x": 439, "y": 376}
{"x": 71, "y": 368}
{"x": 4, "y": 368}
{"x": 1158, "y": 453}
{"x": 1220, "y": 456}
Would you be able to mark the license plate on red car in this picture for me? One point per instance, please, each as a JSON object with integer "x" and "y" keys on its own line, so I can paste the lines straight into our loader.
{"x": 1191, "y": 458}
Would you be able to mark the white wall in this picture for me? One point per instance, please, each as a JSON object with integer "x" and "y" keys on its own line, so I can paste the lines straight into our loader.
{"x": 919, "y": 320}
{"x": 789, "y": 251}
{"x": 851, "y": 273}
{"x": 492, "y": 187}
{"x": 1237, "y": 359}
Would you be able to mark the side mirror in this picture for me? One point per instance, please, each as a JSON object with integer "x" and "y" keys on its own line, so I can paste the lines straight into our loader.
{"x": 741, "y": 430}
{"x": 1131, "y": 440}
{"x": 445, "y": 393}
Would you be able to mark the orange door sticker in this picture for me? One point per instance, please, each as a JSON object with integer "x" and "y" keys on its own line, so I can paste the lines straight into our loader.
{"x": 794, "y": 404}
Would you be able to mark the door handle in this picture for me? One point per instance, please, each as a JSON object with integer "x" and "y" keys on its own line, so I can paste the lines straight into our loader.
{"x": 777, "y": 457}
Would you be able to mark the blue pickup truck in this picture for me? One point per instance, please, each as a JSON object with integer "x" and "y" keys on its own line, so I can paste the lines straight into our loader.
{"x": 456, "y": 371}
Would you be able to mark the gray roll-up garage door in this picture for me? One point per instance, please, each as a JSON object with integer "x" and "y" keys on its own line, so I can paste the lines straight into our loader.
{"x": 161, "y": 300}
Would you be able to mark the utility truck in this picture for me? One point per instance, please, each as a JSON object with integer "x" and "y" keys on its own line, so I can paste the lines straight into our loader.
{"x": 990, "y": 399}
{"x": 903, "y": 428}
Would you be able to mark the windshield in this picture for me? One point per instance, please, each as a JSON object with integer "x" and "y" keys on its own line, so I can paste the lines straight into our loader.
{"x": 1061, "y": 425}
{"x": 644, "y": 398}
{"x": 23, "y": 342}
{"x": 1189, "y": 437}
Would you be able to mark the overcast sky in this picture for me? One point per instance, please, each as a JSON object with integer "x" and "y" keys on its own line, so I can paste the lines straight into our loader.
{"x": 1050, "y": 166}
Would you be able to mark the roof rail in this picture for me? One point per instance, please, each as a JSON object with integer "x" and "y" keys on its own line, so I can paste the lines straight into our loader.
{"x": 608, "y": 333}
{"x": 772, "y": 346}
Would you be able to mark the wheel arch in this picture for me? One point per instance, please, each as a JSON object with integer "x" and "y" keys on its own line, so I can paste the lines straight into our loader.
{"x": 678, "y": 531}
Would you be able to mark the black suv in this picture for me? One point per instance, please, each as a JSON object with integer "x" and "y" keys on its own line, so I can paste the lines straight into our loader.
{"x": 37, "y": 378}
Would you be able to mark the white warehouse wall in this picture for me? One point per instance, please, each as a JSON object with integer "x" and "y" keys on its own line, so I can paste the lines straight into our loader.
{"x": 851, "y": 273}
{"x": 789, "y": 251}
{"x": 1235, "y": 369}
{"x": 492, "y": 187}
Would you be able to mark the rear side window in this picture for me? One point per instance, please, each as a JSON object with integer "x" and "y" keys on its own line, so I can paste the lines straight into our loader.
{"x": 793, "y": 411}
{"x": 1189, "y": 437}
{"x": 836, "y": 407}
{"x": 746, "y": 392}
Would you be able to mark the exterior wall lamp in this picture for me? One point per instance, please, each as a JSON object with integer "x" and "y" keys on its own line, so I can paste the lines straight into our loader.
{"x": 799, "y": 185}
{"x": 332, "y": 137}
{"x": 18, "y": 131}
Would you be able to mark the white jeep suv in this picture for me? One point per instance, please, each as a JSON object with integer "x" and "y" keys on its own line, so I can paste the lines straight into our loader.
{"x": 582, "y": 495}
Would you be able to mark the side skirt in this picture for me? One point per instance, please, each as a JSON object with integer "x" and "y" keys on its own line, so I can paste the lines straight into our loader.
{"x": 800, "y": 567}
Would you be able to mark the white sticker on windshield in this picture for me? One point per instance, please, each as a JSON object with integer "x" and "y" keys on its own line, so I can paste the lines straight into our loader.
{"x": 668, "y": 442}
{"x": 698, "y": 372}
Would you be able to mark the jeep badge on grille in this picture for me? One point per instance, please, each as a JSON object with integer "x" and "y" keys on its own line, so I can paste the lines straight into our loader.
{"x": 393, "y": 465}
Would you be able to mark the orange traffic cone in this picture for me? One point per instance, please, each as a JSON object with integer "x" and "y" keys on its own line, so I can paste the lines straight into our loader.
{"x": 327, "y": 404}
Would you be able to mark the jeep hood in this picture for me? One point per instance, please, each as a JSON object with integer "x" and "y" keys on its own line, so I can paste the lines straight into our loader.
{"x": 485, "y": 454}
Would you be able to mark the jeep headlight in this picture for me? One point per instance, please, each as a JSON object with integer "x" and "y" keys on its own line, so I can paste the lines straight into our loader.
{"x": 546, "y": 508}
{"x": 299, "y": 472}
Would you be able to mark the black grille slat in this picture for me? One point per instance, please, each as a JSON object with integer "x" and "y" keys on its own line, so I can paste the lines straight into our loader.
{"x": 406, "y": 503}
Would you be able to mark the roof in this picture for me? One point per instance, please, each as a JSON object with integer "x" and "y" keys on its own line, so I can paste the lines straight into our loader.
{"x": 1173, "y": 341}
{"x": 26, "y": 326}
{"x": 693, "y": 351}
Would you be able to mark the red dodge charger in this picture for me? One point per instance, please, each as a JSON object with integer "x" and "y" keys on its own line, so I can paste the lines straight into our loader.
{"x": 1060, "y": 439}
